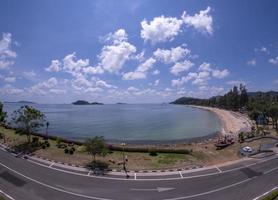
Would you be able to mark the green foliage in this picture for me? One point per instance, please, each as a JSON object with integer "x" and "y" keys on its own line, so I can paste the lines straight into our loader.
{"x": 96, "y": 146}
{"x": 28, "y": 119}
{"x": 271, "y": 196}
{"x": 235, "y": 99}
{"x": 3, "y": 115}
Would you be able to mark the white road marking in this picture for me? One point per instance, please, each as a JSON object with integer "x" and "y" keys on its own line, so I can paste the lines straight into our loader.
{"x": 89, "y": 173}
{"x": 51, "y": 165}
{"x": 6, "y": 195}
{"x": 51, "y": 187}
{"x": 158, "y": 189}
{"x": 161, "y": 189}
{"x": 135, "y": 176}
{"x": 270, "y": 170}
{"x": 180, "y": 174}
{"x": 264, "y": 194}
{"x": 158, "y": 179}
{"x": 218, "y": 169}
{"x": 212, "y": 191}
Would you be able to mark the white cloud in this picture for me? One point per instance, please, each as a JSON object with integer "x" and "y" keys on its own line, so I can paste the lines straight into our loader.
{"x": 181, "y": 67}
{"x": 113, "y": 57}
{"x": 156, "y": 82}
{"x": 43, "y": 88}
{"x": 160, "y": 29}
{"x": 74, "y": 66}
{"x": 29, "y": 74}
{"x": 10, "y": 79}
{"x": 93, "y": 70}
{"x": 273, "y": 61}
{"x": 80, "y": 83}
{"x": 57, "y": 91}
{"x": 212, "y": 91}
{"x": 101, "y": 83}
{"x": 262, "y": 49}
{"x": 55, "y": 66}
{"x": 9, "y": 90}
{"x": 179, "y": 82}
{"x": 201, "y": 21}
{"x": 171, "y": 55}
{"x": 220, "y": 74}
{"x": 275, "y": 81}
{"x": 132, "y": 89}
{"x": 252, "y": 62}
{"x": 201, "y": 78}
{"x": 117, "y": 37}
{"x": 205, "y": 67}
{"x": 93, "y": 90}
{"x": 6, "y": 54}
{"x": 156, "y": 72}
{"x": 236, "y": 82}
{"x": 134, "y": 75}
{"x": 141, "y": 71}
{"x": 147, "y": 65}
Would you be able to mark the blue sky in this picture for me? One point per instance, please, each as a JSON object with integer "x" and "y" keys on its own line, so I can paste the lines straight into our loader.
{"x": 135, "y": 51}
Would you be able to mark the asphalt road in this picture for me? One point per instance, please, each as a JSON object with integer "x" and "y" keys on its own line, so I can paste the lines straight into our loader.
{"x": 24, "y": 180}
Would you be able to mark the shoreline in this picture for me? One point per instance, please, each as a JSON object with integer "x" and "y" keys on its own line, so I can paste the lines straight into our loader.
{"x": 231, "y": 122}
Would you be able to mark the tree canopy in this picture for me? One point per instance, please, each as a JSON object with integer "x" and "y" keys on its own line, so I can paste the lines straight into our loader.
{"x": 28, "y": 119}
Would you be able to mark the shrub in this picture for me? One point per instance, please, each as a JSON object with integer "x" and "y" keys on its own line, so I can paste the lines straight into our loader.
{"x": 66, "y": 151}
{"x": 153, "y": 153}
{"x": 81, "y": 149}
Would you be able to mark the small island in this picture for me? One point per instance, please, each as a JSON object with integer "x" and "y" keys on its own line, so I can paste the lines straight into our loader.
{"x": 82, "y": 102}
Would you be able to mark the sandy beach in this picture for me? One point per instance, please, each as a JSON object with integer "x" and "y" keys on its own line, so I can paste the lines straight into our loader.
{"x": 232, "y": 122}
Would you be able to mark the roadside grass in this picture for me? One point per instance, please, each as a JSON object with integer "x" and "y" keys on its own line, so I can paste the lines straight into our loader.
{"x": 203, "y": 153}
{"x": 271, "y": 196}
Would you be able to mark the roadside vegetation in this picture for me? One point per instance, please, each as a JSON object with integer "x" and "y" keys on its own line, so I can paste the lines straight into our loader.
{"x": 260, "y": 107}
{"x": 271, "y": 196}
{"x": 95, "y": 153}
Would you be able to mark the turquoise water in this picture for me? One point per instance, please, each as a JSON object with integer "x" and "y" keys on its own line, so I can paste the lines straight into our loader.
{"x": 126, "y": 121}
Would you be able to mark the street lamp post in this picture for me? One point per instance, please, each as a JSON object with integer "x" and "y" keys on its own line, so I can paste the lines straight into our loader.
{"x": 124, "y": 160}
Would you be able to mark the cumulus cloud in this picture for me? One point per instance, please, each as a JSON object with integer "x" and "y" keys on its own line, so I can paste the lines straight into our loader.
{"x": 9, "y": 90}
{"x": 102, "y": 83}
{"x": 220, "y": 74}
{"x": 171, "y": 55}
{"x": 113, "y": 56}
{"x": 252, "y": 62}
{"x": 181, "y": 67}
{"x": 160, "y": 29}
{"x": 133, "y": 75}
{"x": 55, "y": 66}
{"x": 74, "y": 66}
{"x": 141, "y": 71}
{"x": 29, "y": 74}
{"x": 156, "y": 72}
{"x": 273, "y": 61}
{"x": 156, "y": 82}
{"x": 43, "y": 88}
{"x": 10, "y": 79}
{"x": 132, "y": 89}
{"x": 236, "y": 82}
{"x": 6, "y": 53}
{"x": 205, "y": 67}
{"x": 201, "y": 21}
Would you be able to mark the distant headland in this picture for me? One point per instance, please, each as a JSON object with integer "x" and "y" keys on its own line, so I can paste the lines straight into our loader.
{"x": 21, "y": 102}
{"x": 82, "y": 102}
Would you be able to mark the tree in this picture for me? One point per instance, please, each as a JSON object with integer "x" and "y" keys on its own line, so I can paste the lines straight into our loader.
{"x": 3, "y": 114}
{"x": 96, "y": 146}
{"x": 273, "y": 113}
{"x": 28, "y": 119}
